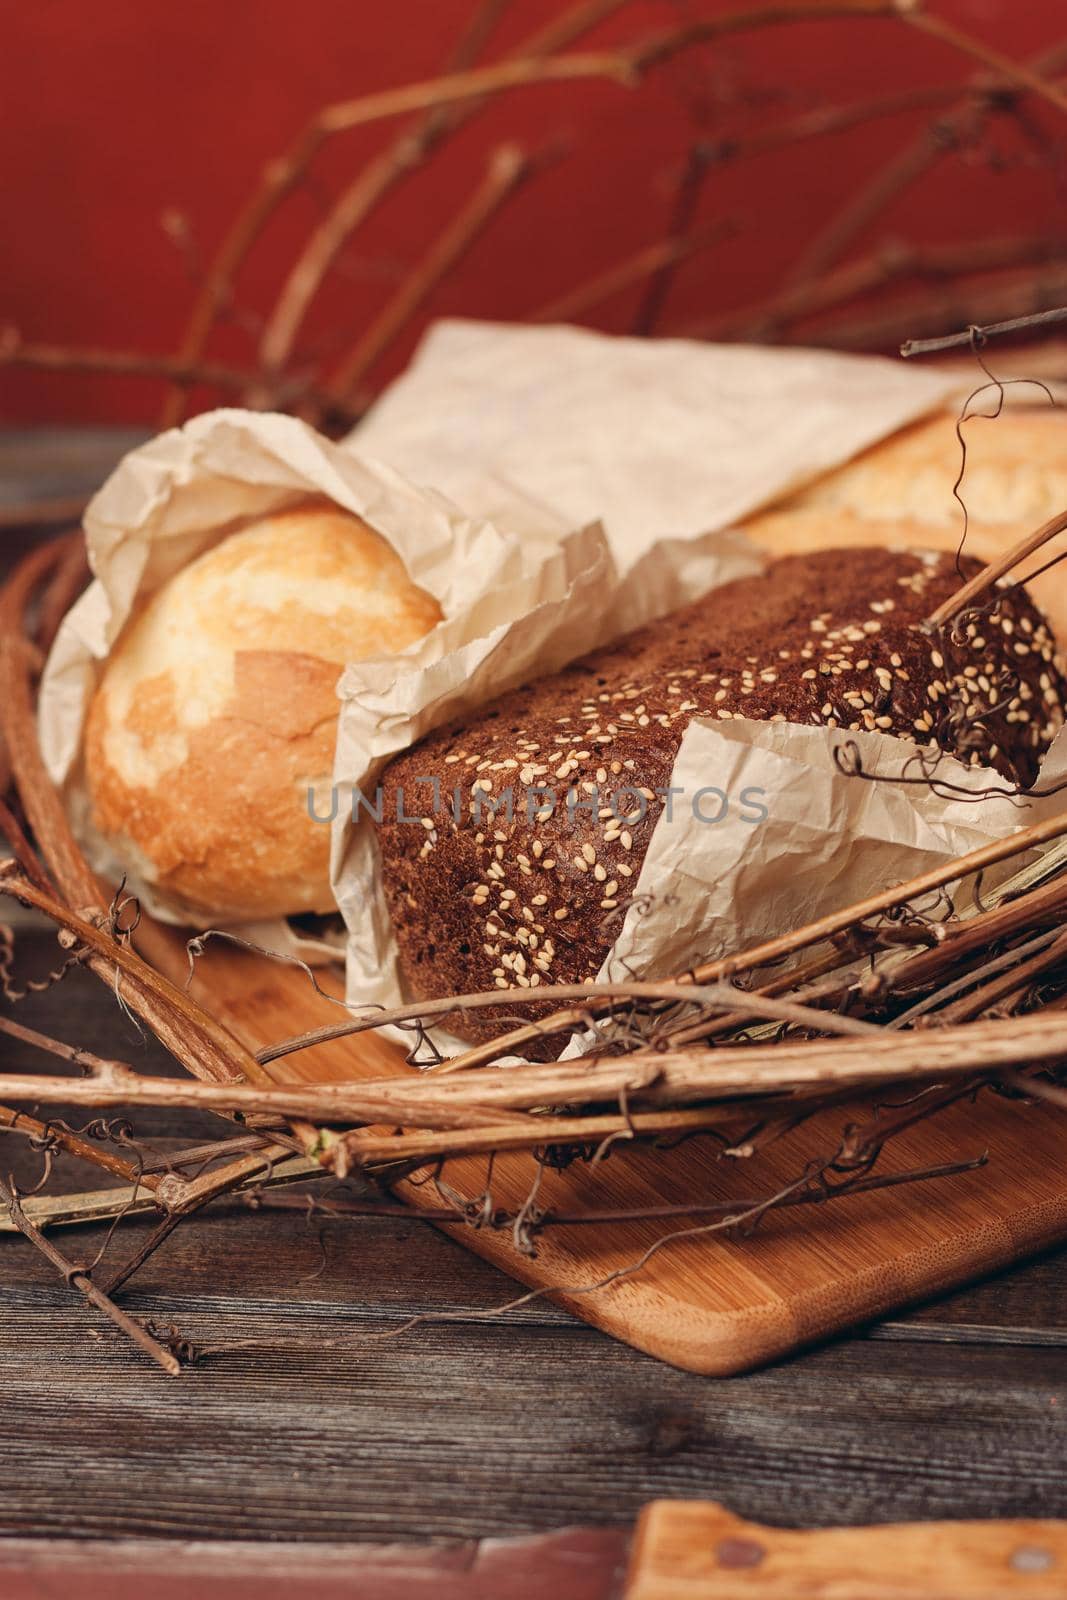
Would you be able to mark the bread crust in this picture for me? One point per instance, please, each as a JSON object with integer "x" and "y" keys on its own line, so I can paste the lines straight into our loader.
{"x": 217, "y": 711}
{"x": 1016, "y": 473}
{"x": 830, "y": 638}
{"x": 899, "y": 494}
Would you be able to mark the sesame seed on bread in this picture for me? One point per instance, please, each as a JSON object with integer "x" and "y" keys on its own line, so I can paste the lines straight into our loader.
{"x": 481, "y": 899}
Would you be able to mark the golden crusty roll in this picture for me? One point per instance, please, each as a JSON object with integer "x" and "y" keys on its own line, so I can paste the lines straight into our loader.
{"x": 899, "y": 495}
{"x": 217, "y": 710}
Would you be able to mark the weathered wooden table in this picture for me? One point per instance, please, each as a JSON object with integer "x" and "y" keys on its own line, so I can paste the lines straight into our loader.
{"x": 479, "y": 1426}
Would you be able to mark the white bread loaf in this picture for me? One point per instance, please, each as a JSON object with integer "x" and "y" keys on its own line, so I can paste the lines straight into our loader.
{"x": 899, "y": 495}
{"x": 216, "y": 711}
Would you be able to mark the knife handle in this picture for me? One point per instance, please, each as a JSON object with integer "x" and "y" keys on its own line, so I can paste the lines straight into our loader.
{"x": 697, "y": 1550}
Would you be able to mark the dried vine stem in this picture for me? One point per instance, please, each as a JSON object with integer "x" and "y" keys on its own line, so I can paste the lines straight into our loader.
{"x": 79, "y": 1279}
{"x": 824, "y": 120}
{"x": 331, "y": 1209}
{"x": 381, "y": 174}
{"x": 1003, "y": 66}
{"x": 134, "y": 1199}
{"x": 55, "y": 1134}
{"x": 280, "y": 177}
{"x": 910, "y": 12}
{"x": 616, "y": 66}
{"x": 813, "y": 1187}
{"x": 937, "y": 1000}
{"x": 508, "y": 167}
{"x": 891, "y": 263}
{"x": 95, "y": 1205}
{"x": 443, "y": 104}
{"x": 788, "y": 944}
{"x": 984, "y": 580}
{"x": 177, "y": 1196}
{"x": 182, "y": 371}
{"x": 716, "y": 996}
{"x": 626, "y": 65}
{"x": 906, "y": 167}
{"x": 75, "y": 1054}
{"x": 987, "y": 996}
{"x": 182, "y": 1198}
{"x": 197, "y": 1040}
{"x": 1040, "y": 907}
{"x": 985, "y": 297}
{"x": 979, "y": 336}
{"x": 796, "y": 982}
{"x": 283, "y": 175}
{"x": 652, "y": 1078}
{"x": 665, "y": 253}
{"x": 11, "y": 830}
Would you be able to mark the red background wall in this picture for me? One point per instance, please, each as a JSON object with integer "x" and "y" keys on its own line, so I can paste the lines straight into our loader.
{"x": 121, "y": 111}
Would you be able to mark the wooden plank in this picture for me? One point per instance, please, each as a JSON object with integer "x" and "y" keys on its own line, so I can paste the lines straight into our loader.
{"x": 700, "y": 1551}
{"x": 42, "y": 464}
{"x": 574, "y": 1564}
{"x": 713, "y": 1304}
{"x": 467, "y": 1430}
{"x": 524, "y": 1421}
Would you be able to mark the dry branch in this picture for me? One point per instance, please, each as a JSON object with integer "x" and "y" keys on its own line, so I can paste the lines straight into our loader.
{"x": 196, "y": 1039}
{"x": 906, "y": 167}
{"x": 892, "y": 263}
{"x": 507, "y": 168}
{"x": 654, "y": 1078}
{"x": 78, "y": 1279}
{"x": 791, "y": 943}
{"x": 662, "y": 47}
{"x": 984, "y": 580}
{"x": 1016, "y": 72}
{"x": 720, "y": 997}
{"x": 652, "y": 259}
{"x": 978, "y": 336}
{"x": 282, "y": 393}
{"x": 282, "y": 176}
{"x": 102, "y": 1205}
{"x": 56, "y": 1135}
{"x": 969, "y": 299}
{"x": 371, "y": 185}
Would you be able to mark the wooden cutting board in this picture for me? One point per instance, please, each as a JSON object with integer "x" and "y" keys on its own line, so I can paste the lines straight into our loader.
{"x": 712, "y": 1304}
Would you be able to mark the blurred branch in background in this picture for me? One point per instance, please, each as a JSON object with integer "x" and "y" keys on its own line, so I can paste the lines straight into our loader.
{"x": 825, "y": 294}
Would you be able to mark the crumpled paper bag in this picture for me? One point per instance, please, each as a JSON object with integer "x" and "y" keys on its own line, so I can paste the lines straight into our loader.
{"x": 666, "y": 441}
{"x": 764, "y": 834}
{"x": 781, "y": 836}
{"x": 384, "y": 712}
{"x": 670, "y": 443}
{"x": 503, "y": 590}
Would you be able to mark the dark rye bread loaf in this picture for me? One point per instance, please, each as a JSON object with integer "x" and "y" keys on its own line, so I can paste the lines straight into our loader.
{"x": 480, "y": 900}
